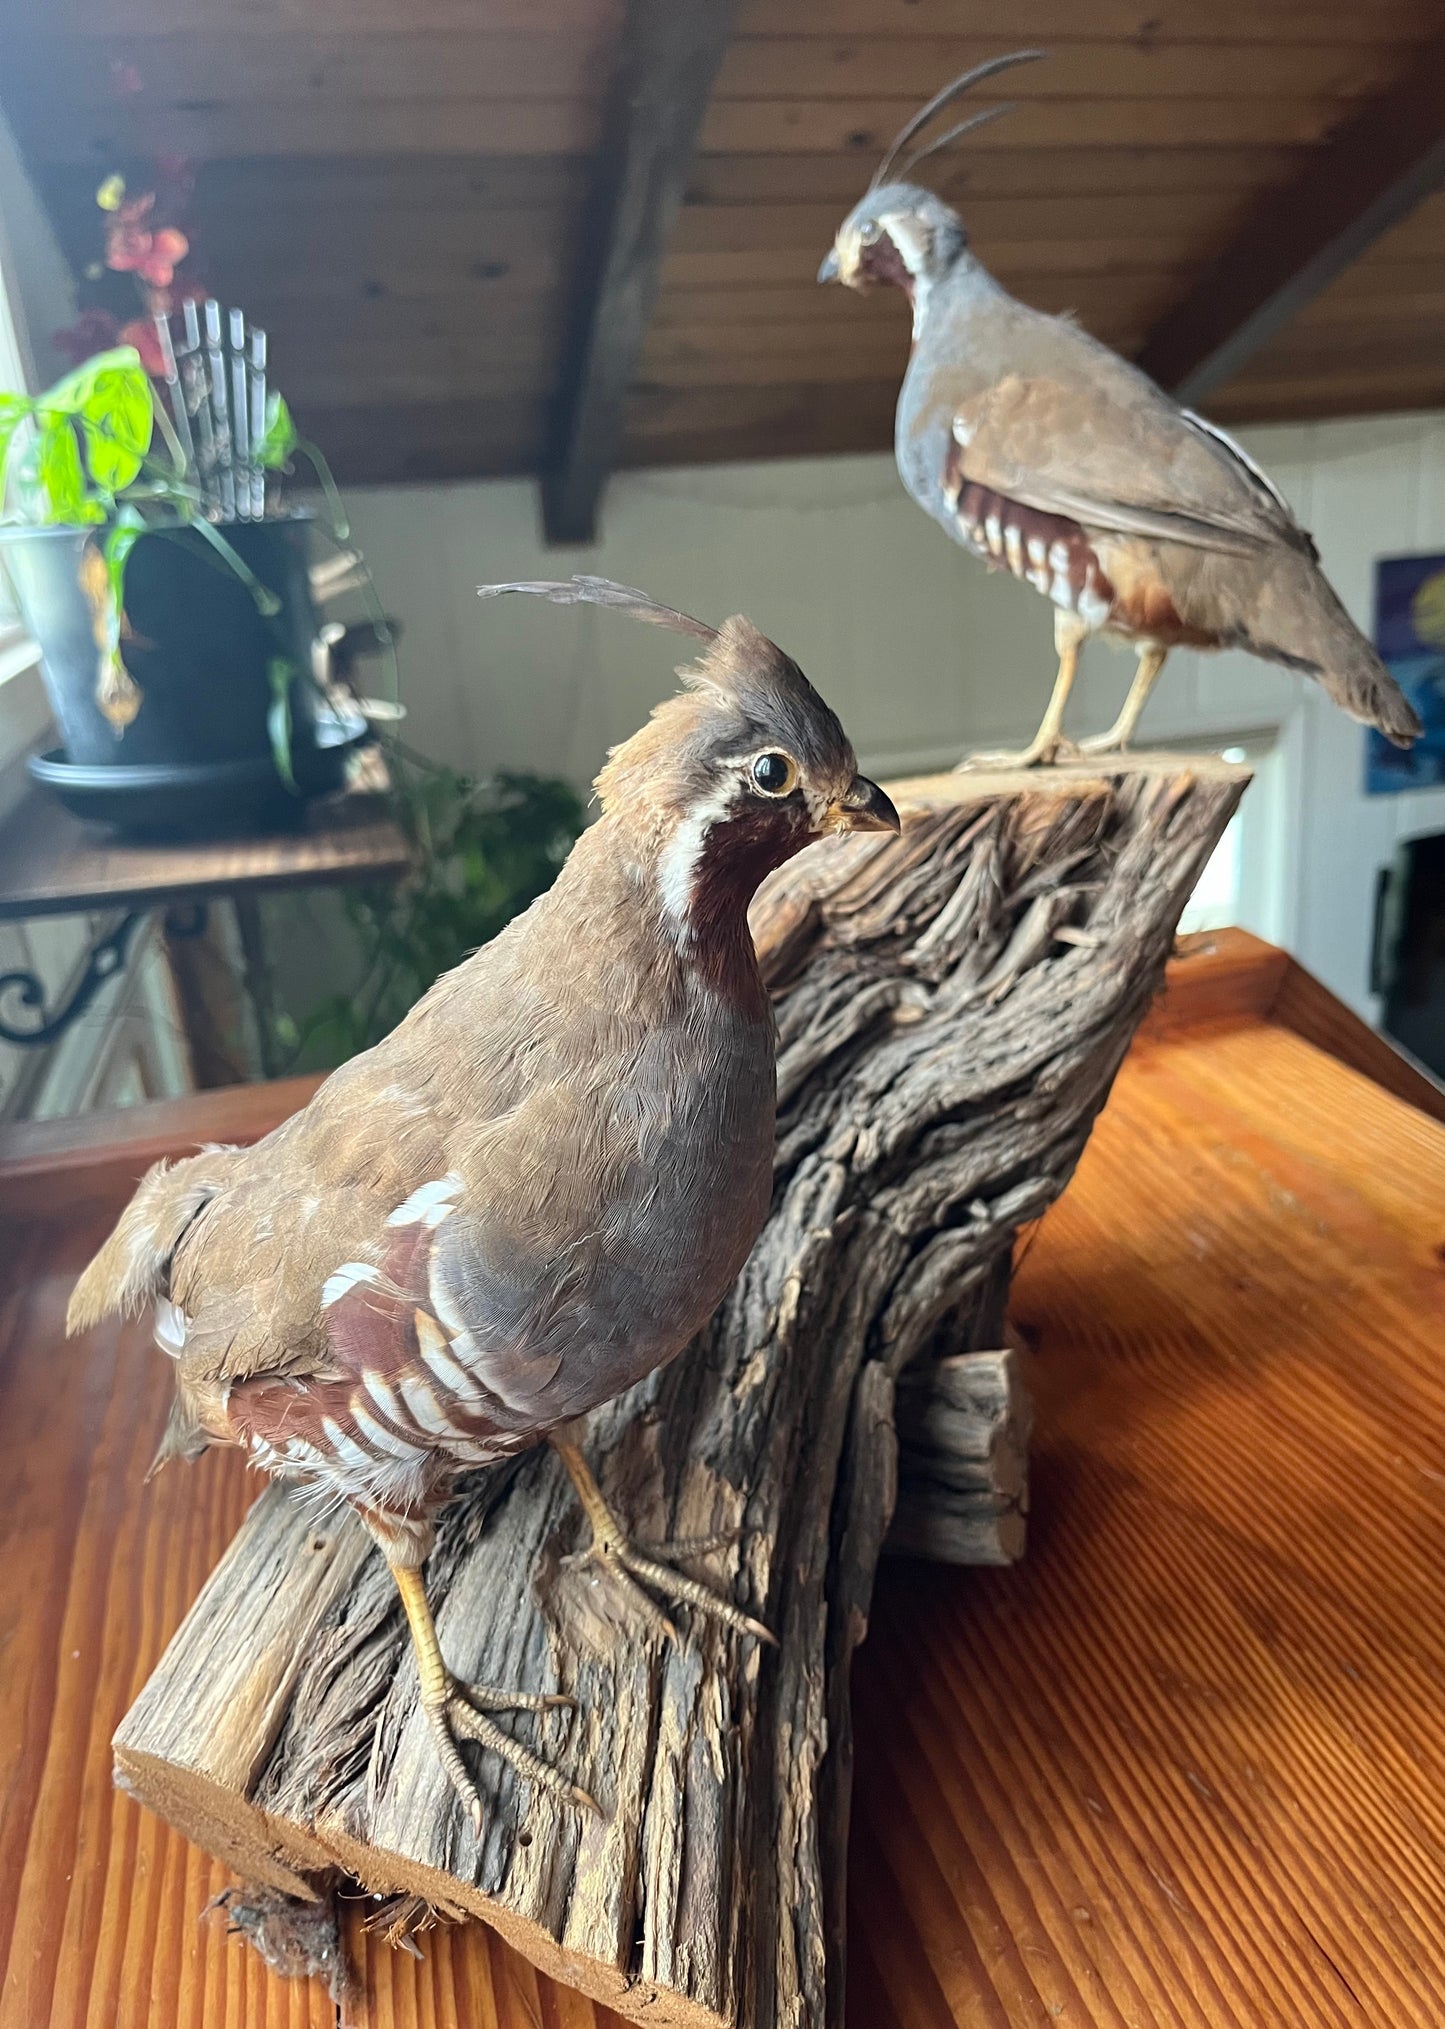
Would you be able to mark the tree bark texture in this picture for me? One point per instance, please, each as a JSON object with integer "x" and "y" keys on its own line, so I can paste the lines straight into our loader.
{"x": 952, "y": 1008}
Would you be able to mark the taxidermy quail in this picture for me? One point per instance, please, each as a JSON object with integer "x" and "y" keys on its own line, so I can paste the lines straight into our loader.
{"x": 537, "y": 1188}
{"x": 1048, "y": 455}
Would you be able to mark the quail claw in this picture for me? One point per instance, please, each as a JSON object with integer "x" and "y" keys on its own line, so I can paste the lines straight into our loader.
{"x": 463, "y": 1711}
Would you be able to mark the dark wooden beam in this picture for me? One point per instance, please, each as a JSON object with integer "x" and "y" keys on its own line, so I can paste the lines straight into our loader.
{"x": 1356, "y": 186}
{"x": 667, "y": 59}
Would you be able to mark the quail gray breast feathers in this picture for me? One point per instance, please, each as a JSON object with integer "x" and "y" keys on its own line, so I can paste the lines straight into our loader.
{"x": 537, "y": 1188}
{"x": 1049, "y": 456}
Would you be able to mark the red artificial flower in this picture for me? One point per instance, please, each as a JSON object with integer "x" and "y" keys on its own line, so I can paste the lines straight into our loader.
{"x": 168, "y": 248}
{"x": 93, "y": 331}
{"x": 146, "y": 340}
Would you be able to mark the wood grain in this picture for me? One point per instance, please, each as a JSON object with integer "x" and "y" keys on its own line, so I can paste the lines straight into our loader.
{"x": 1182, "y": 1768}
{"x": 52, "y": 864}
{"x": 348, "y": 156}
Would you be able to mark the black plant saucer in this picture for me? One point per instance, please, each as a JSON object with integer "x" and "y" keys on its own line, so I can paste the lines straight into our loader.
{"x": 205, "y": 799}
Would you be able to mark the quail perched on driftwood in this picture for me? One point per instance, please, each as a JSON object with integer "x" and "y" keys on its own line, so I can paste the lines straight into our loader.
{"x": 538, "y": 1187}
{"x": 1048, "y": 455}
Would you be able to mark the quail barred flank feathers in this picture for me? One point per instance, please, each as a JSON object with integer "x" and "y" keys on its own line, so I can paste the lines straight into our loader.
{"x": 1049, "y": 456}
{"x": 537, "y": 1188}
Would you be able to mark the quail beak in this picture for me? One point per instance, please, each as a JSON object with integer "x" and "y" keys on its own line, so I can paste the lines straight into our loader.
{"x": 863, "y": 807}
{"x": 831, "y": 270}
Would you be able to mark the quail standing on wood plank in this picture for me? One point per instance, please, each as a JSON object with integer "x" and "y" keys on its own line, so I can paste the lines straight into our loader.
{"x": 1048, "y": 455}
{"x": 538, "y": 1188}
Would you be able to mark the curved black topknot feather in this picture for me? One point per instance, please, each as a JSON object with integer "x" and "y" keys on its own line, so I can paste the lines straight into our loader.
{"x": 587, "y": 591}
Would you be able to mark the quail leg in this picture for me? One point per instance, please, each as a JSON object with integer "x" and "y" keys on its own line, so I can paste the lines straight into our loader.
{"x": 636, "y": 1569}
{"x": 1048, "y": 743}
{"x": 453, "y": 1708}
{"x": 1151, "y": 661}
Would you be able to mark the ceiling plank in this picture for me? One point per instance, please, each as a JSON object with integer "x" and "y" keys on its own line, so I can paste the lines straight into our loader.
{"x": 1011, "y": 23}
{"x": 1374, "y": 171}
{"x": 913, "y": 67}
{"x": 667, "y": 60}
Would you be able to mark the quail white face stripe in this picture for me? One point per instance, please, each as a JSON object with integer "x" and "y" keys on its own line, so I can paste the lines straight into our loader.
{"x": 345, "y": 1278}
{"x": 683, "y": 851}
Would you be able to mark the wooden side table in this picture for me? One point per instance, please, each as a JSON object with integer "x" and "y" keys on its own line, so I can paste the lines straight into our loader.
{"x": 51, "y": 864}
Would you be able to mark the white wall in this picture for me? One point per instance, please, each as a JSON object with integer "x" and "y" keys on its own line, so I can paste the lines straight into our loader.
{"x": 922, "y": 651}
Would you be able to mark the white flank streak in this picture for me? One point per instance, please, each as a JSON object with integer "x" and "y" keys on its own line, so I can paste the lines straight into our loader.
{"x": 442, "y": 1349}
{"x": 170, "y": 1327}
{"x": 993, "y": 530}
{"x": 347, "y": 1449}
{"x": 424, "y": 1406}
{"x": 299, "y": 1452}
{"x": 1013, "y": 543}
{"x": 381, "y": 1394}
{"x": 379, "y": 1435}
{"x": 1037, "y": 553}
{"x": 1059, "y": 557}
{"x": 1062, "y": 593}
{"x": 452, "y": 1377}
{"x": 429, "y": 1205}
{"x": 1223, "y": 437}
{"x": 345, "y": 1278}
{"x": 1093, "y": 607}
{"x": 1039, "y": 578}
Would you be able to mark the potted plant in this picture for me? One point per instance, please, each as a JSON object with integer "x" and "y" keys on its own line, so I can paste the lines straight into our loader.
{"x": 155, "y": 565}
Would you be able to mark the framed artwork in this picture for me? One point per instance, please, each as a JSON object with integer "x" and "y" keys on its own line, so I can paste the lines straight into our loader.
{"x": 1410, "y": 636}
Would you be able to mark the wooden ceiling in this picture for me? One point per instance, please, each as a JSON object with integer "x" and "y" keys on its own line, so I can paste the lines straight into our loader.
{"x": 494, "y": 236}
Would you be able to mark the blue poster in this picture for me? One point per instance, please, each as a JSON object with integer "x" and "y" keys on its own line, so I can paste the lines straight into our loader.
{"x": 1410, "y": 635}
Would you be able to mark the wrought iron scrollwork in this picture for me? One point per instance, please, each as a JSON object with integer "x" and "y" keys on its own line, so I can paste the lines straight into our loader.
{"x": 106, "y": 958}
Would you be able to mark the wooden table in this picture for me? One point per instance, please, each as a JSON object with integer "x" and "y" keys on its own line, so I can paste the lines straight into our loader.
{"x": 1185, "y": 1766}
{"x": 53, "y": 865}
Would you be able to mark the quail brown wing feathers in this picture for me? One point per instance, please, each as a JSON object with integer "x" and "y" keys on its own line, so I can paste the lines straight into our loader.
{"x": 1049, "y": 456}
{"x": 536, "y": 1189}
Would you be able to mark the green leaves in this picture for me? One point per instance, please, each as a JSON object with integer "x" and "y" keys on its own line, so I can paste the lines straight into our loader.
{"x": 57, "y": 470}
{"x": 117, "y": 420}
{"x": 480, "y": 853}
{"x": 280, "y": 438}
{"x": 279, "y": 672}
{"x": 109, "y": 402}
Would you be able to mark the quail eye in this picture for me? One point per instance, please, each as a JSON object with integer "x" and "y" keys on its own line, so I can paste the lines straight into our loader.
{"x": 774, "y": 774}
{"x": 868, "y": 234}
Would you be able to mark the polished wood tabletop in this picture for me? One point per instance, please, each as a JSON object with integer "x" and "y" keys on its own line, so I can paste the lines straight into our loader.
{"x": 53, "y": 864}
{"x": 1185, "y": 1766}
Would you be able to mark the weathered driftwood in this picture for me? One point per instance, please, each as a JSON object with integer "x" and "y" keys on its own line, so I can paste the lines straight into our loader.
{"x": 952, "y": 1008}
{"x": 963, "y": 1451}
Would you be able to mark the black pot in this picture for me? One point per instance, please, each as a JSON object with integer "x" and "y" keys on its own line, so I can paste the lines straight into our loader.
{"x": 193, "y": 641}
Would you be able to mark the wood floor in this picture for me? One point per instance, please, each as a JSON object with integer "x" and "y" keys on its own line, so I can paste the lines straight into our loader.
{"x": 1184, "y": 1767}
